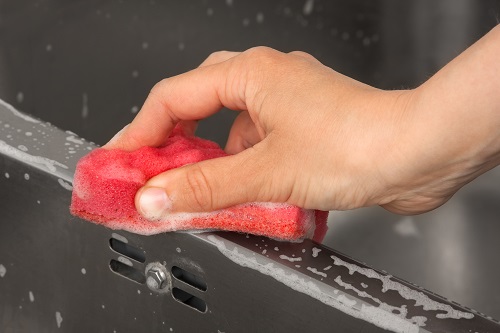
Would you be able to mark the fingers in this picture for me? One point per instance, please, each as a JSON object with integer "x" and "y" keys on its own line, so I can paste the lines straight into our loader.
{"x": 205, "y": 186}
{"x": 186, "y": 97}
{"x": 243, "y": 134}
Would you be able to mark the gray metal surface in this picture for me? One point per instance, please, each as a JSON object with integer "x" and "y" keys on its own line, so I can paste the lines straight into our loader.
{"x": 87, "y": 65}
{"x": 60, "y": 273}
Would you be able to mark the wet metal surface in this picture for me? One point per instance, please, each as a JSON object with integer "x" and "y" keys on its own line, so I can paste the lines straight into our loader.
{"x": 86, "y": 66}
{"x": 57, "y": 271}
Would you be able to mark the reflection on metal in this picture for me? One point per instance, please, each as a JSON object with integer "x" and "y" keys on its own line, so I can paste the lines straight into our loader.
{"x": 221, "y": 281}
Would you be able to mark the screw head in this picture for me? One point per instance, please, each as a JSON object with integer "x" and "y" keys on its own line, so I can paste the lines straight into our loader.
{"x": 157, "y": 278}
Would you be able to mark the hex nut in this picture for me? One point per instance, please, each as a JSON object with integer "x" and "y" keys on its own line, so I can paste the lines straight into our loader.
{"x": 157, "y": 277}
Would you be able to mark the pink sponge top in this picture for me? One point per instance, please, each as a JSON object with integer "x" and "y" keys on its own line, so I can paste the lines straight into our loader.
{"x": 106, "y": 182}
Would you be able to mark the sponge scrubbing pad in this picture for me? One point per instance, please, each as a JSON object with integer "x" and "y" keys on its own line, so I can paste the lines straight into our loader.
{"x": 106, "y": 182}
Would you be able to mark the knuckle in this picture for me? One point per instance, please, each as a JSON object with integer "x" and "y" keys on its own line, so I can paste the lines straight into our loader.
{"x": 262, "y": 55}
{"x": 304, "y": 55}
{"x": 200, "y": 190}
{"x": 215, "y": 57}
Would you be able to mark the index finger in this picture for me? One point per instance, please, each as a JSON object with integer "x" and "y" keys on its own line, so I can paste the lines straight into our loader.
{"x": 194, "y": 95}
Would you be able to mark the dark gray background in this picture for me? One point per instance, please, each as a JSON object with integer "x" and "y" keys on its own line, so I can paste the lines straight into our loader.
{"x": 86, "y": 66}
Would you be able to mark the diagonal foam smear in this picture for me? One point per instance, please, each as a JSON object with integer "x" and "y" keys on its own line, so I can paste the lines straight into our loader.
{"x": 302, "y": 283}
{"x": 43, "y": 162}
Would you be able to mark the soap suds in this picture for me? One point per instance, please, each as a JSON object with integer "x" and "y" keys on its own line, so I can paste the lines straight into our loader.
{"x": 315, "y": 251}
{"x": 74, "y": 139}
{"x": 84, "y": 271}
{"x": 314, "y": 288}
{"x": 419, "y": 297}
{"x": 3, "y": 270}
{"x": 7, "y": 175}
{"x": 27, "y": 176}
{"x": 65, "y": 185}
{"x": 31, "y": 296}
{"x": 48, "y": 164}
{"x": 315, "y": 271}
{"x": 284, "y": 257}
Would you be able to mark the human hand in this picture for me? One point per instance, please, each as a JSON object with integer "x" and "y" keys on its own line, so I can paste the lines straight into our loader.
{"x": 306, "y": 135}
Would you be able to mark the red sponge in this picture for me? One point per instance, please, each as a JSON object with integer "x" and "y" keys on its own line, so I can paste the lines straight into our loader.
{"x": 106, "y": 182}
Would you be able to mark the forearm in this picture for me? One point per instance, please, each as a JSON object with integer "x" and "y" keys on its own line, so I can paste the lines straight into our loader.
{"x": 460, "y": 107}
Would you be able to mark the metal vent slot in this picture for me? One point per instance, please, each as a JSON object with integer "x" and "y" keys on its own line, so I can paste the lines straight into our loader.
{"x": 127, "y": 250}
{"x": 189, "y": 278}
{"x": 190, "y": 300}
{"x": 127, "y": 271}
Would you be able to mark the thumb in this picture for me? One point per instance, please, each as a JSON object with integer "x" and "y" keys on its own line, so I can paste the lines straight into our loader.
{"x": 206, "y": 186}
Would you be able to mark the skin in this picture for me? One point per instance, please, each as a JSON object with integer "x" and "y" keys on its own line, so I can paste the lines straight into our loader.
{"x": 310, "y": 136}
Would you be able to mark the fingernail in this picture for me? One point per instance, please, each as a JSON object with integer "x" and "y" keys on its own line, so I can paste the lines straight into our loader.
{"x": 116, "y": 137}
{"x": 154, "y": 203}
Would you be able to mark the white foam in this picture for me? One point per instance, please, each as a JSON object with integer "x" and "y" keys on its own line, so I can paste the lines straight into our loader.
{"x": 32, "y": 297}
{"x": 74, "y": 139}
{"x": 43, "y": 162}
{"x": 7, "y": 175}
{"x": 3, "y": 270}
{"x": 27, "y": 176}
{"x": 419, "y": 297}
{"x": 315, "y": 271}
{"x": 316, "y": 289}
{"x": 284, "y": 257}
{"x": 22, "y": 147}
{"x": 84, "y": 271}
{"x": 65, "y": 185}
{"x": 315, "y": 251}
{"x": 59, "y": 319}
